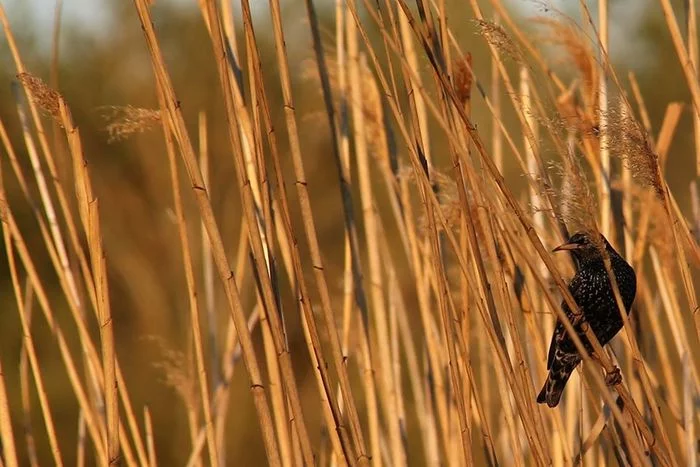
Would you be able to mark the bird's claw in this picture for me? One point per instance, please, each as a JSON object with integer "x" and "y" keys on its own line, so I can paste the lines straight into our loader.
{"x": 613, "y": 377}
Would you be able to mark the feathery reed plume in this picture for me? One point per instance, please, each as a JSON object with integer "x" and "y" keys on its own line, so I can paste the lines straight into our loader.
{"x": 569, "y": 112}
{"x": 575, "y": 199}
{"x": 496, "y": 36}
{"x": 448, "y": 197}
{"x": 373, "y": 112}
{"x": 124, "y": 121}
{"x": 177, "y": 372}
{"x": 564, "y": 34}
{"x": 41, "y": 94}
{"x": 629, "y": 141}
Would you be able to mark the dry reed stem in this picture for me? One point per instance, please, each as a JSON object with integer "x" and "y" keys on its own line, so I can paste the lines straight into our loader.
{"x": 330, "y": 324}
{"x": 89, "y": 210}
{"x": 523, "y": 119}
{"x": 386, "y": 384}
{"x": 90, "y": 351}
{"x": 220, "y": 399}
{"x": 693, "y": 56}
{"x": 340, "y": 88}
{"x": 231, "y": 351}
{"x": 312, "y": 239}
{"x": 455, "y": 415}
{"x": 191, "y": 293}
{"x": 13, "y": 234}
{"x": 542, "y": 252}
{"x": 685, "y": 61}
{"x": 150, "y": 444}
{"x": 331, "y": 412}
{"x": 425, "y": 191}
{"x": 603, "y": 118}
{"x": 232, "y": 295}
{"x": 667, "y": 197}
{"x": 8, "y": 444}
{"x": 25, "y": 385}
{"x": 48, "y": 98}
{"x": 422, "y": 248}
{"x": 29, "y": 341}
{"x": 472, "y": 218}
{"x": 207, "y": 262}
{"x": 66, "y": 275}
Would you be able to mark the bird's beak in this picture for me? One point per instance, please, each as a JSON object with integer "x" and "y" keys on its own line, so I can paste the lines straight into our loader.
{"x": 567, "y": 246}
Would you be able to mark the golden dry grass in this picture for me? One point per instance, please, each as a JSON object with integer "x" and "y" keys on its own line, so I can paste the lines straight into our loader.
{"x": 359, "y": 277}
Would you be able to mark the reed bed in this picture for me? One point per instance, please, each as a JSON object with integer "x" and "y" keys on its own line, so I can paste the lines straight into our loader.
{"x": 416, "y": 333}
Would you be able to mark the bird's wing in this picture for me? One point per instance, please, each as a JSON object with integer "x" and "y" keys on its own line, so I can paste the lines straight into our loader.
{"x": 552, "y": 345}
{"x": 559, "y": 331}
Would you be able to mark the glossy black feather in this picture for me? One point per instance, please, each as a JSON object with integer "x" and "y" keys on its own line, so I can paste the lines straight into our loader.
{"x": 593, "y": 292}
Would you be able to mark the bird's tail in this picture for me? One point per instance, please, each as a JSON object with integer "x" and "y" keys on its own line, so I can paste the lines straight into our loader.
{"x": 555, "y": 384}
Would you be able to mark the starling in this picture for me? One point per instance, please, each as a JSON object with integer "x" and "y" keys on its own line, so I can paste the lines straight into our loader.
{"x": 593, "y": 292}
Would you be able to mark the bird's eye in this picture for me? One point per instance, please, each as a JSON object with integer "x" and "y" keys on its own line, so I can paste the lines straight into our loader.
{"x": 580, "y": 240}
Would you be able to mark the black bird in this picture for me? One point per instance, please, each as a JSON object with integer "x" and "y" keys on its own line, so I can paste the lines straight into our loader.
{"x": 593, "y": 292}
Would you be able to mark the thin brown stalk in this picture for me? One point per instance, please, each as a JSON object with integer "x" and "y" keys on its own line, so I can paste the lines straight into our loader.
{"x": 684, "y": 59}
{"x": 424, "y": 248}
{"x": 91, "y": 418}
{"x": 497, "y": 138}
{"x": 543, "y": 254}
{"x": 187, "y": 152}
{"x": 191, "y": 294}
{"x": 9, "y": 451}
{"x": 448, "y": 236}
{"x": 25, "y": 384}
{"x": 230, "y": 346}
{"x": 661, "y": 186}
{"x": 693, "y": 55}
{"x": 67, "y": 276}
{"x": 31, "y": 353}
{"x": 605, "y": 206}
{"x": 89, "y": 210}
{"x": 236, "y": 114}
{"x": 346, "y": 34}
{"x": 387, "y": 386}
{"x": 207, "y": 264}
{"x": 152, "y": 462}
{"x": 311, "y": 236}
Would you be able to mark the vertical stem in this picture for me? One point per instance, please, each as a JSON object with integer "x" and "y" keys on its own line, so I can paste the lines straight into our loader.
{"x": 693, "y": 56}
{"x": 497, "y": 138}
{"x": 387, "y": 388}
{"x": 192, "y": 294}
{"x": 8, "y": 440}
{"x": 207, "y": 261}
{"x": 605, "y": 207}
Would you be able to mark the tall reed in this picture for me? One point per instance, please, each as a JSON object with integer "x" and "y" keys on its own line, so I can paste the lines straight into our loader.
{"x": 416, "y": 332}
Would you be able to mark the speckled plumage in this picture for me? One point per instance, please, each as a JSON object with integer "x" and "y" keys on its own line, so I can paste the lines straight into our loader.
{"x": 593, "y": 292}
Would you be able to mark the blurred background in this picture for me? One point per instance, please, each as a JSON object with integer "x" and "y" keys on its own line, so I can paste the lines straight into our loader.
{"x": 102, "y": 61}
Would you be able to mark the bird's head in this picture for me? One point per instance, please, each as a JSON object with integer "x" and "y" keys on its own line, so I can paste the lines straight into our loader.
{"x": 585, "y": 246}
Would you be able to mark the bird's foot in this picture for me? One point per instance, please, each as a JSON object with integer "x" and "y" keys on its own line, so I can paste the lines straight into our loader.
{"x": 613, "y": 377}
